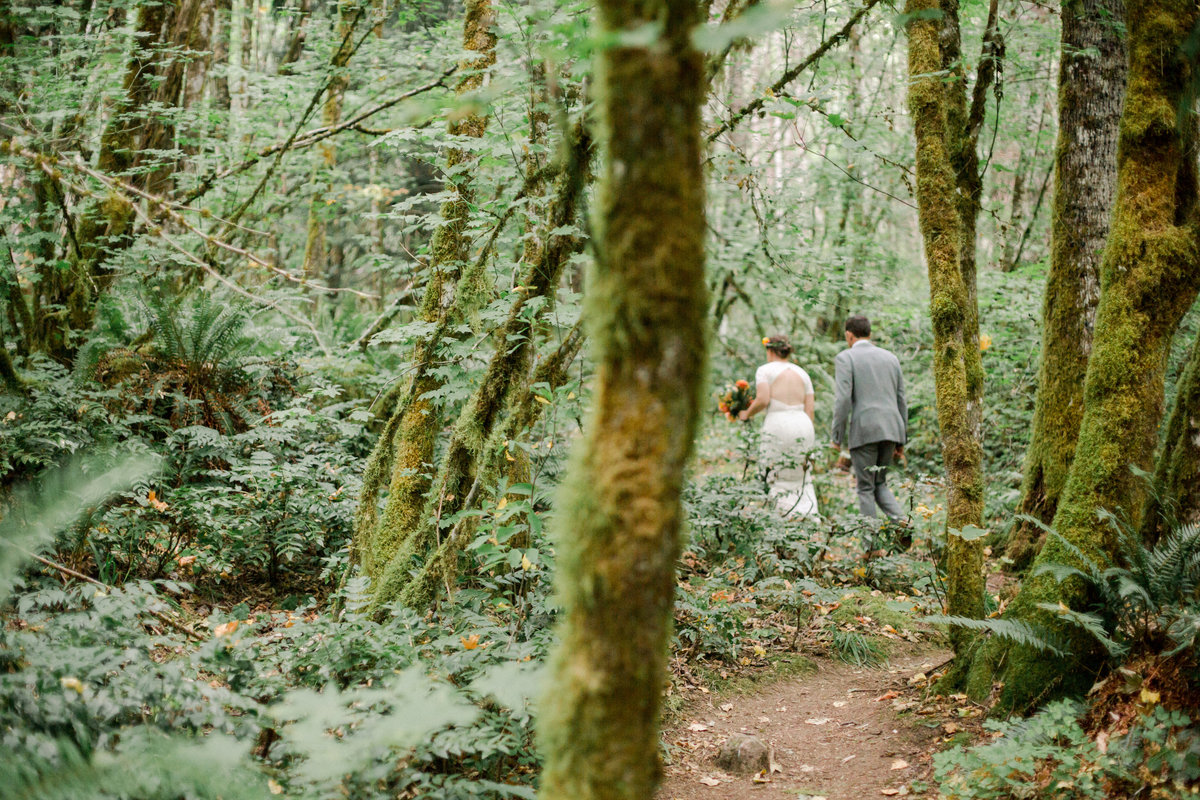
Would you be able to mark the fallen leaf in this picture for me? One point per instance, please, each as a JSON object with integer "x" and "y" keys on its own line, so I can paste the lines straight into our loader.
{"x": 225, "y": 628}
{"x": 74, "y": 684}
{"x": 889, "y": 792}
{"x": 697, "y": 726}
{"x": 274, "y": 786}
{"x": 1148, "y": 696}
{"x": 186, "y": 560}
{"x": 818, "y": 720}
{"x": 899, "y": 763}
{"x": 727, "y": 706}
{"x": 886, "y": 696}
{"x": 839, "y": 703}
{"x": 950, "y": 727}
{"x": 761, "y": 777}
{"x": 707, "y": 781}
{"x": 469, "y": 642}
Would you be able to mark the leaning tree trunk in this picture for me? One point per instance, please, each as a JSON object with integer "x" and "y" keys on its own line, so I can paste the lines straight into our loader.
{"x": 459, "y": 480}
{"x": 1091, "y": 86}
{"x": 1177, "y": 476}
{"x": 948, "y": 189}
{"x": 619, "y": 513}
{"x": 1149, "y": 277}
{"x": 404, "y": 454}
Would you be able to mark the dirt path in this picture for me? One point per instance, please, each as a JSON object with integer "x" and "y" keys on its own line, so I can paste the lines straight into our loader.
{"x": 831, "y": 737}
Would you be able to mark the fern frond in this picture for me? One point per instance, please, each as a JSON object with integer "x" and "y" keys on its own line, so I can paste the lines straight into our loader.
{"x": 1022, "y": 633}
{"x": 1091, "y": 623}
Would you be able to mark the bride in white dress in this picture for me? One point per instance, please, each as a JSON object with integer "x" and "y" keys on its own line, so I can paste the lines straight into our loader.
{"x": 785, "y": 392}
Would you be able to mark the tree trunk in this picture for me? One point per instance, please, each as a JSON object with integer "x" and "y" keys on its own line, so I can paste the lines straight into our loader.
{"x": 948, "y": 188}
{"x": 316, "y": 254}
{"x": 407, "y": 449}
{"x": 459, "y": 479}
{"x": 1149, "y": 277}
{"x": 1091, "y": 86}
{"x": 1177, "y": 476}
{"x": 619, "y": 512}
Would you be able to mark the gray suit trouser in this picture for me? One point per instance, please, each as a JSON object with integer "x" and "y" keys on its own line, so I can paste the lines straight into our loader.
{"x": 870, "y": 464}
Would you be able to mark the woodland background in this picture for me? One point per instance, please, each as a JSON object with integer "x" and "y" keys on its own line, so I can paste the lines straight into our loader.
{"x": 292, "y": 300}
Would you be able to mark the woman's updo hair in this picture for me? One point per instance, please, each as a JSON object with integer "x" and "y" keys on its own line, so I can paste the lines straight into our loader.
{"x": 778, "y": 344}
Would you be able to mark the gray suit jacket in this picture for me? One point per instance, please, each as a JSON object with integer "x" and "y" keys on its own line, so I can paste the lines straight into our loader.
{"x": 870, "y": 395}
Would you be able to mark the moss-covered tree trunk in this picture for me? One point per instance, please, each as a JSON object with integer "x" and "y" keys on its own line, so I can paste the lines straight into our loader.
{"x": 618, "y": 517}
{"x": 1091, "y": 85}
{"x": 403, "y": 456}
{"x": 1149, "y": 277}
{"x": 1177, "y": 476}
{"x": 459, "y": 480}
{"x": 948, "y": 189}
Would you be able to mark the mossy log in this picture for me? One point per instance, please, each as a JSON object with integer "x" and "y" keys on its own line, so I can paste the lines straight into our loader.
{"x": 1091, "y": 86}
{"x": 618, "y": 517}
{"x": 1149, "y": 277}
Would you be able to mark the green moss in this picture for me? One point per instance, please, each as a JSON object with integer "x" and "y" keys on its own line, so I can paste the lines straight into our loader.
{"x": 1148, "y": 281}
{"x": 618, "y": 515}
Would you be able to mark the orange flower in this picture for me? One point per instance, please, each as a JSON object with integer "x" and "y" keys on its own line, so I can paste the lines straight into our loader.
{"x": 152, "y": 499}
{"x": 722, "y": 407}
{"x": 766, "y": 341}
{"x": 742, "y": 384}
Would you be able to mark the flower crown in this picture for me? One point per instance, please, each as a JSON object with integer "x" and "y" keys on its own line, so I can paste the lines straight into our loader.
{"x": 775, "y": 344}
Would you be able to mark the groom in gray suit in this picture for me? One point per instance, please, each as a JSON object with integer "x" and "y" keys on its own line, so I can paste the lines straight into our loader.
{"x": 870, "y": 396}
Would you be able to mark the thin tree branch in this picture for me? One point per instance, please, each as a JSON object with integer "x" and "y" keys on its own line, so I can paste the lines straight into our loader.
{"x": 793, "y": 73}
{"x": 160, "y": 616}
{"x": 312, "y": 137}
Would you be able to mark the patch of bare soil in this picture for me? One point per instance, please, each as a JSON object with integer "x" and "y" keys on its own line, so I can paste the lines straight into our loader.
{"x": 834, "y": 734}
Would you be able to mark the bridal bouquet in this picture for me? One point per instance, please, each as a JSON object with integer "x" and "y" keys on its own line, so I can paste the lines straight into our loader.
{"x": 735, "y": 399}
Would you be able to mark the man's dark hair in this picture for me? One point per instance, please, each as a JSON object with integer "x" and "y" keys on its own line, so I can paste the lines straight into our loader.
{"x": 859, "y": 326}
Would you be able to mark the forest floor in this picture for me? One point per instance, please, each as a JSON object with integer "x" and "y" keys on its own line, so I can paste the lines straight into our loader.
{"x": 840, "y": 732}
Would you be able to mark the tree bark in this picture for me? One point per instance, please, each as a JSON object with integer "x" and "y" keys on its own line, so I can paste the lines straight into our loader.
{"x": 1177, "y": 476}
{"x": 408, "y": 449}
{"x": 316, "y": 254}
{"x": 619, "y": 512}
{"x": 458, "y": 476}
{"x": 1091, "y": 87}
{"x": 948, "y": 187}
{"x": 1149, "y": 277}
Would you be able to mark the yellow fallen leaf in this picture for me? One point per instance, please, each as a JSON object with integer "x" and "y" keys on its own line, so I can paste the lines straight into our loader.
{"x": 526, "y": 564}
{"x": 186, "y": 560}
{"x": 469, "y": 642}
{"x": 759, "y": 650}
{"x": 541, "y": 399}
{"x": 1148, "y": 696}
{"x": 502, "y": 504}
{"x": 74, "y": 684}
{"x": 899, "y": 763}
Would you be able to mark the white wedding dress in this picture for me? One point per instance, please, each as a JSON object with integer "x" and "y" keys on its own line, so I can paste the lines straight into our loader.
{"x": 788, "y": 439}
